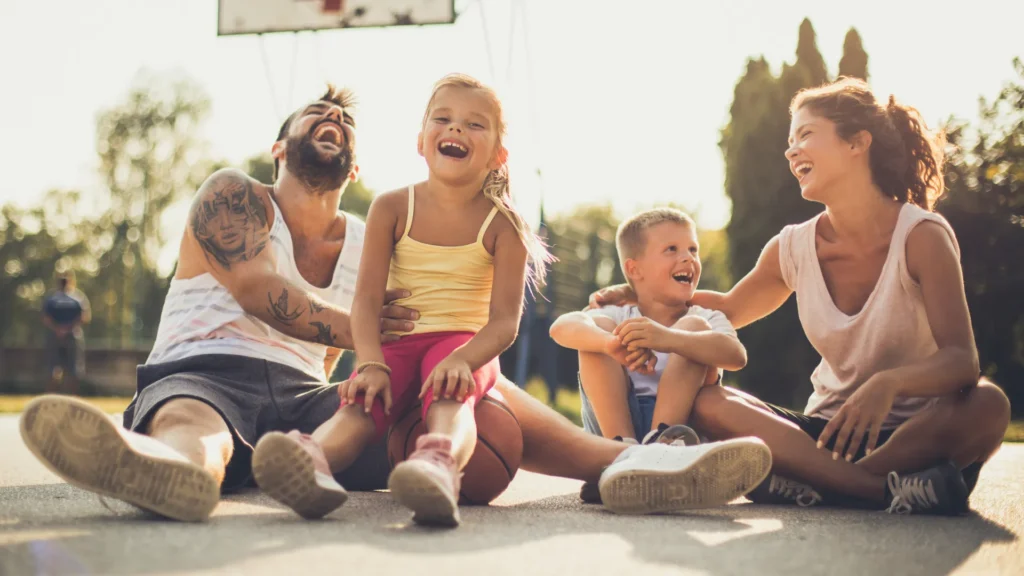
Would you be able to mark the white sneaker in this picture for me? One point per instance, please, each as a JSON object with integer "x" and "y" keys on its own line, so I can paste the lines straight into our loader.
{"x": 80, "y": 443}
{"x": 663, "y": 478}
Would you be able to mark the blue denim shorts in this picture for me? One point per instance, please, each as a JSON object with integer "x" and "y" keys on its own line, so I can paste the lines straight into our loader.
{"x": 641, "y": 411}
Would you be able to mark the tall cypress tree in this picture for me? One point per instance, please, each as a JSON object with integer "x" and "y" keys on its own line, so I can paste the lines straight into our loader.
{"x": 855, "y": 60}
{"x": 765, "y": 198}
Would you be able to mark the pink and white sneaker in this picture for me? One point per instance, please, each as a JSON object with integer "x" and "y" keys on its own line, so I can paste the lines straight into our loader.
{"x": 428, "y": 482}
{"x": 292, "y": 469}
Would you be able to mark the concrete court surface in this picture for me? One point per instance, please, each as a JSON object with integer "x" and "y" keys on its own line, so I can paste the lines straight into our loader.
{"x": 537, "y": 527}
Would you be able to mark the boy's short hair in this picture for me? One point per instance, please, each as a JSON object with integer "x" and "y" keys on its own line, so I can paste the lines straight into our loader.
{"x": 631, "y": 237}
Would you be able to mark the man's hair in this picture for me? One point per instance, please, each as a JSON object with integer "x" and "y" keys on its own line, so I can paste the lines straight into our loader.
{"x": 631, "y": 238}
{"x": 341, "y": 96}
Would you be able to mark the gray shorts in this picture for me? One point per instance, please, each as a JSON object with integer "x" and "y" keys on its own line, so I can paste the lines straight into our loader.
{"x": 253, "y": 397}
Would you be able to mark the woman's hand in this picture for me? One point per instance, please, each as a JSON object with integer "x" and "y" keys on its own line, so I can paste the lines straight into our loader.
{"x": 451, "y": 378}
{"x": 862, "y": 413}
{"x": 618, "y": 295}
{"x": 373, "y": 382}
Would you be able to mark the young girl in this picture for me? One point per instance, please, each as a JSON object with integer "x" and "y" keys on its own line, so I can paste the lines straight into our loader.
{"x": 898, "y": 417}
{"x": 456, "y": 244}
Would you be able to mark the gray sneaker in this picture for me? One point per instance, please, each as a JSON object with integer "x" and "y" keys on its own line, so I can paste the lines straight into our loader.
{"x": 83, "y": 446}
{"x": 657, "y": 477}
{"x": 939, "y": 490}
{"x": 779, "y": 490}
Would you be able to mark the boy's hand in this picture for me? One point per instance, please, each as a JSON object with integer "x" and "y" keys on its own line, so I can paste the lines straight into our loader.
{"x": 644, "y": 333}
{"x": 451, "y": 378}
{"x": 640, "y": 360}
{"x": 612, "y": 296}
{"x": 374, "y": 382}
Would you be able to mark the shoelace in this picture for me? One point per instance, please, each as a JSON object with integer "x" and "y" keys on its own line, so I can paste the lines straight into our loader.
{"x": 802, "y": 494}
{"x": 910, "y": 493}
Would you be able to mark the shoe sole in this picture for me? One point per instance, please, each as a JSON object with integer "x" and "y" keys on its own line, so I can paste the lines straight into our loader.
{"x": 80, "y": 444}
{"x": 430, "y": 502}
{"x": 285, "y": 472}
{"x": 726, "y": 471}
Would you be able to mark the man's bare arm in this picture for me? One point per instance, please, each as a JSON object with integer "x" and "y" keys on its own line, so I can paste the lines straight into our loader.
{"x": 230, "y": 221}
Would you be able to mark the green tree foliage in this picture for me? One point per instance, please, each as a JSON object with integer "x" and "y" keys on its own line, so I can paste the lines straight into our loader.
{"x": 854, "y": 62}
{"x": 765, "y": 198}
{"x": 985, "y": 206}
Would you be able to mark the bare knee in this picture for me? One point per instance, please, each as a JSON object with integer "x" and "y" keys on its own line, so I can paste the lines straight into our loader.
{"x": 991, "y": 407}
{"x": 692, "y": 324}
{"x": 182, "y": 414}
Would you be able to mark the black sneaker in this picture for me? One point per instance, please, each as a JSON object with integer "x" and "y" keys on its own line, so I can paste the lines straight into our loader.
{"x": 677, "y": 435}
{"x": 589, "y": 492}
{"x": 778, "y": 490}
{"x": 939, "y": 490}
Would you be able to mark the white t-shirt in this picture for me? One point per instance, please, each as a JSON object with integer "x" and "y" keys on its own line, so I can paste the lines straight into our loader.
{"x": 647, "y": 384}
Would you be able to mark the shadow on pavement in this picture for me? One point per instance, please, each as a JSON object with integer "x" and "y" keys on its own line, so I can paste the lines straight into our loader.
{"x": 55, "y": 528}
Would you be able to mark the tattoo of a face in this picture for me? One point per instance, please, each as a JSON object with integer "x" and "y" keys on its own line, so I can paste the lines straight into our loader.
{"x": 279, "y": 308}
{"x": 231, "y": 221}
{"x": 315, "y": 307}
{"x": 324, "y": 335}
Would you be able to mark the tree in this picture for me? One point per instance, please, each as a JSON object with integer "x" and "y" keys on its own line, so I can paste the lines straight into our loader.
{"x": 765, "y": 198}
{"x": 985, "y": 206}
{"x": 854, "y": 62}
{"x": 150, "y": 157}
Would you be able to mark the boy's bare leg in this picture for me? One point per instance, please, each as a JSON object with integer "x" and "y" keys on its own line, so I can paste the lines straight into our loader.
{"x": 607, "y": 388}
{"x": 554, "y": 446}
{"x": 680, "y": 382}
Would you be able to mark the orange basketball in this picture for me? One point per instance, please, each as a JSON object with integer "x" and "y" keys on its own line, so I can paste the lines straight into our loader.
{"x": 499, "y": 447}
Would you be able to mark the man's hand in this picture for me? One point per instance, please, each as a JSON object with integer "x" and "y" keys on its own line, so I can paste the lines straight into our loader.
{"x": 394, "y": 318}
{"x": 451, "y": 378}
{"x": 373, "y": 382}
{"x": 640, "y": 360}
{"x": 644, "y": 333}
{"x": 620, "y": 294}
{"x": 862, "y": 413}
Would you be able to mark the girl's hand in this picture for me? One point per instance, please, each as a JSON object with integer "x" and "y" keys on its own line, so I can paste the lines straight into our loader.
{"x": 451, "y": 378}
{"x": 862, "y": 413}
{"x": 640, "y": 360}
{"x": 373, "y": 382}
{"x": 644, "y": 333}
{"x": 620, "y": 294}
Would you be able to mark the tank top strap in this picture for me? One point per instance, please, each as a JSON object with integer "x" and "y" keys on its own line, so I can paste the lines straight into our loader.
{"x": 487, "y": 222}
{"x": 412, "y": 204}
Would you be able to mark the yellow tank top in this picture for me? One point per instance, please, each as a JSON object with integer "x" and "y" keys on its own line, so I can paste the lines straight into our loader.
{"x": 450, "y": 285}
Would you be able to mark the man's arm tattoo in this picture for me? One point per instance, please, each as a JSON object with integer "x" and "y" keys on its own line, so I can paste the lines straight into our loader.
{"x": 324, "y": 335}
{"x": 230, "y": 221}
{"x": 315, "y": 306}
{"x": 279, "y": 308}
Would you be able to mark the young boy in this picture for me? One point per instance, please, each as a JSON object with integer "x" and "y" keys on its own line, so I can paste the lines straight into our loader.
{"x": 668, "y": 348}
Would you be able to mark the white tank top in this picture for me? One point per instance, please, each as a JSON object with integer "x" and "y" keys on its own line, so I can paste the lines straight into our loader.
{"x": 891, "y": 330}
{"x": 201, "y": 317}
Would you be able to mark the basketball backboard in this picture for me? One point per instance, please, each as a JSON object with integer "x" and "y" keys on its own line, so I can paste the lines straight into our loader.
{"x": 260, "y": 16}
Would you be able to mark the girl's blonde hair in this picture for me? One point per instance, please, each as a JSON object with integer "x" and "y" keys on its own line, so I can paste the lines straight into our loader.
{"x": 496, "y": 185}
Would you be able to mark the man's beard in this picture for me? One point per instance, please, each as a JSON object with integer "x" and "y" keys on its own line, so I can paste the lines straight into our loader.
{"x": 318, "y": 174}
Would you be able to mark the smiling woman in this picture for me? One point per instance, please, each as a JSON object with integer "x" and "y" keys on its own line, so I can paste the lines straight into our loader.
{"x": 898, "y": 416}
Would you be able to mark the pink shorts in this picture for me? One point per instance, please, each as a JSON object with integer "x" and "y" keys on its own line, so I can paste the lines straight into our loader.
{"x": 411, "y": 360}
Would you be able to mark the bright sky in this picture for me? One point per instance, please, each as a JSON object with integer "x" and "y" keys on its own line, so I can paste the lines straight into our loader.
{"x": 610, "y": 105}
